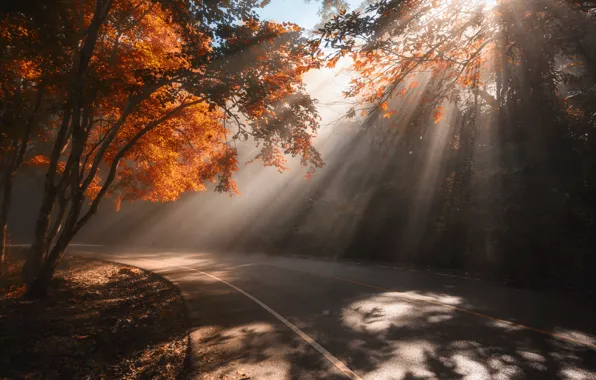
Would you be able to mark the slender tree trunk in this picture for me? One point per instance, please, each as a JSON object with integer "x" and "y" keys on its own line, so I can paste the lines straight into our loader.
{"x": 43, "y": 257}
{"x": 6, "y": 192}
{"x": 37, "y": 253}
{"x": 40, "y": 264}
{"x": 12, "y": 164}
{"x": 38, "y": 287}
{"x": 58, "y": 220}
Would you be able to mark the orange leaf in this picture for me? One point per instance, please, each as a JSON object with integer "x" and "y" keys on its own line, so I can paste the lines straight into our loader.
{"x": 438, "y": 114}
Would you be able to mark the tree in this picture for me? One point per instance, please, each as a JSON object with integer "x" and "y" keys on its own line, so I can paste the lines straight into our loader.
{"x": 18, "y": 97}
{"x": 29, "y": 71}
{"x": 155, "y": 95}
{"x": 479, "y": 110}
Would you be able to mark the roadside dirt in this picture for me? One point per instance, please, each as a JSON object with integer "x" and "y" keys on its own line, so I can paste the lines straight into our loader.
{"x": 100, "y": 320}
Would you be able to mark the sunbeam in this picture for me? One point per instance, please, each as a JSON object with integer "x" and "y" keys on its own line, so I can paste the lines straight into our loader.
{"x": 423, "y": 141}
{"x": 365, "y": 188}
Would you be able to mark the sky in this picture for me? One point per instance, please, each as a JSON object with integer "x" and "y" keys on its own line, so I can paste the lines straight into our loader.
{"x": 326, "y": 85}
{"x": 297, "y": 11}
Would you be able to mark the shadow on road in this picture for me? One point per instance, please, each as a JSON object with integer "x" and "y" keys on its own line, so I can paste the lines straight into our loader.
{"x": 379, "y": 335}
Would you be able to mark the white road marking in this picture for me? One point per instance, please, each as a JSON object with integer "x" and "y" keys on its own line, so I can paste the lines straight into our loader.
{"x": 335, "y": 361}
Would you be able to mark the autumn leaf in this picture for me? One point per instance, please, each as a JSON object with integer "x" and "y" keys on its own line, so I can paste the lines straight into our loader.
{"x": 389, "y": 114}
{"x": 38, "y": 160}
{"x": 332, "y": 62}
{"x": 438, "y": 114}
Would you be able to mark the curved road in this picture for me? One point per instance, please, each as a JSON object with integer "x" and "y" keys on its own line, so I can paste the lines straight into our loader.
{"x": 262, "y": 317}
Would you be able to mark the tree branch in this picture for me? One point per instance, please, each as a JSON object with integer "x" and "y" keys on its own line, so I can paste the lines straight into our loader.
{"x": 112, "y": 173}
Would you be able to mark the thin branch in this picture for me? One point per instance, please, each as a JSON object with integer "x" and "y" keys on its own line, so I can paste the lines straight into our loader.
{"x": 185, "y": 136}
{"x": 112, "y": 173}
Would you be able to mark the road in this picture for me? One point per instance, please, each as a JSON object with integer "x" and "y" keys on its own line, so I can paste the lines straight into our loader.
{"x": 262, "y": 317}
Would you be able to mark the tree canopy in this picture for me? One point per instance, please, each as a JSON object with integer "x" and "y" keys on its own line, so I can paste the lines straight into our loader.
{"x": 144, "y": 100}
{"x": 481, "y": 122}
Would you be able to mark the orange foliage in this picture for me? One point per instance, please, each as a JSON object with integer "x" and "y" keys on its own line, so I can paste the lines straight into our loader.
{"x": 180, "y": 152}
{"x": 191, "y": 146}
{"x": 42, "y": 160}
{"x": 438, "y": 114}
{"x": 446, "y": 41}
{"x": 38, "y": 160}
{"x": 176, "y": 157}
{"x": 156, "y": 109}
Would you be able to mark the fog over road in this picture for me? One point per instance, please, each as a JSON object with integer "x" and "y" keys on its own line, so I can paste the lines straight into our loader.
{"x": 264, "y": 317}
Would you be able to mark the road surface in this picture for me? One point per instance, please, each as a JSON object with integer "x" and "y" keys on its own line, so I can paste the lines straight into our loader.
{"x": 262, "y": 317}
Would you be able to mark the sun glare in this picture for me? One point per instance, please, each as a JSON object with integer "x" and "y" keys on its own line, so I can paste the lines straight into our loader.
{"x": 488, "y": 4}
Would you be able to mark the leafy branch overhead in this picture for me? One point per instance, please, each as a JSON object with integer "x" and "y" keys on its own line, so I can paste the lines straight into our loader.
{"x": 144, "y": 100}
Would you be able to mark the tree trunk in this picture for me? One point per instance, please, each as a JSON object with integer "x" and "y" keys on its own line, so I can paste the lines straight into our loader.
{"x": 6, "y": 194}
{"x": 12, "y": 165}
{"x": 40, "y": 265}
{"x": 38, "y": 287}
{"x": 3, "y": 238}
{"x": 4, "y": 207}
{"x": 37, "y": 252}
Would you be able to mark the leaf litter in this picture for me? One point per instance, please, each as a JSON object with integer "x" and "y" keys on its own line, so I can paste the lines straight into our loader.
{"x": 100, "y": 321}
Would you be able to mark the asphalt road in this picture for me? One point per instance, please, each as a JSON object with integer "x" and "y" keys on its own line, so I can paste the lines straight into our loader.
{"x": 260, "y": 317}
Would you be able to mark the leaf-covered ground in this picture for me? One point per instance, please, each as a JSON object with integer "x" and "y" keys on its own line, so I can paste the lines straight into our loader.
{"x": 100, "y": 320}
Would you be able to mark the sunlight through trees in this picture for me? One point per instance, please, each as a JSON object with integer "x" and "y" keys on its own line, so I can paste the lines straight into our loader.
{"x": 464, "y": 138}
{"x": 144, "y": 100}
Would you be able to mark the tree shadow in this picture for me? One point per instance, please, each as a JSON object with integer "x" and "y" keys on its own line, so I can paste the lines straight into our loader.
{"x": 405, "y": 333}
{"x": 379, "y": 335}
{"x": 99, "y": 320}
